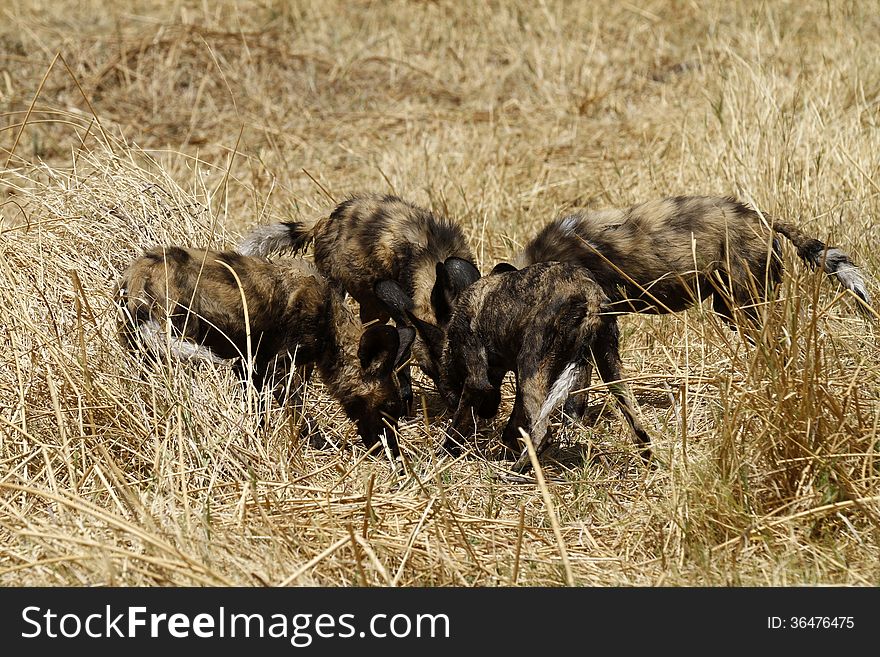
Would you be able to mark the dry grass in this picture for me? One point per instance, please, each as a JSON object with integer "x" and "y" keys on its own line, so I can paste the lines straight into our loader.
{"x": 188, "y": 122}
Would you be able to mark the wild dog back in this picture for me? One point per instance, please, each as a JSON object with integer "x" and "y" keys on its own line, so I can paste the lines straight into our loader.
{"x": 663, "y": 255}
{"x": 202, "y": 293}
{"x": 391, "y": 255}
{"x": 371, "y": 238}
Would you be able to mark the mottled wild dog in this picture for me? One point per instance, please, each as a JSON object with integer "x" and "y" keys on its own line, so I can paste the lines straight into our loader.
{"x": 280, "y": 319}
{"x": 545, "y": 323}
{"x": 664, "y": 255}
{"x": 388, "y": 254}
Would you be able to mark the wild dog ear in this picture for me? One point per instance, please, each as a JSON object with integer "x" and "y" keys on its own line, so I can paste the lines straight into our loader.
{"x": 378, "y": 349}
{"x": 393, "y": 296}
{"x": 502, "y": 268}
{"x": 431, "y": 335}
{"x": 453, "y": 276}
{"x": 406, "y": 334}
{"x": 428, "y": 331}
{"x": 460, "y": 273}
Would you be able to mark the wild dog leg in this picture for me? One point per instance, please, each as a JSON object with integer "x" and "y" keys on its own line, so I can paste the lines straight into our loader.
{"x": 606, "y": 354}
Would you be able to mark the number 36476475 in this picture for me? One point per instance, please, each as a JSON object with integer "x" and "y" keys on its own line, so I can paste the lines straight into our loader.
{"x": 811, "y": 622}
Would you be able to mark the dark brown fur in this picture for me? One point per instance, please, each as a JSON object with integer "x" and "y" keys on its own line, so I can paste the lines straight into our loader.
{"x": 663, "y": 256}
{"x": 295, "y": 319}
{"x": 386, "y": 253}
{"x": 546, "y": 323}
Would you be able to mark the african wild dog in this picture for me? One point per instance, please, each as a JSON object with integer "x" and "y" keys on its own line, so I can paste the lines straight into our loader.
{"x": 665, "y": 255}
{"x": 546, "y": 323}
{"x": 388, "y": 254}
{"x": 294, "y": 321}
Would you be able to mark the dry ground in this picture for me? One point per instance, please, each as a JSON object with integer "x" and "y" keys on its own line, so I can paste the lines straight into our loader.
{"x": 132, "y": 123}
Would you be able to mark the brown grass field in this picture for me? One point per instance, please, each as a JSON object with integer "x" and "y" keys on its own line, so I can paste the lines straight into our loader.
{"x": 134, "y": 123}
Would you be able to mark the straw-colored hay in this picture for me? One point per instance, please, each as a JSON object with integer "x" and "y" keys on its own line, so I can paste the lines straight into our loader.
{"x": 190, "y": 122}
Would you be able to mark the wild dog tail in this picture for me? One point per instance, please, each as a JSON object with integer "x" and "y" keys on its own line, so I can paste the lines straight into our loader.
{"x": 834, "y": 262}
{"x": 578, "y": 323}
{"x": 152, "y": 336}
{"x": 263, "y": 240}
{"x": 140, "y": 328}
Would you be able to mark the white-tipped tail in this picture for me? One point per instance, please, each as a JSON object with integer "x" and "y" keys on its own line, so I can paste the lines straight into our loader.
{"x": 263, "y": 240}
{"x": 838, "y": 264}
{"x": 154, "y": 337}
{"x": 558, "y": 394}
